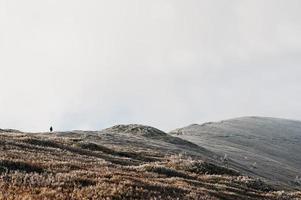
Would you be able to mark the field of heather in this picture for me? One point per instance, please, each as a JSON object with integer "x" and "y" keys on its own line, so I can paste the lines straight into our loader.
{"x": 102, "y": 165}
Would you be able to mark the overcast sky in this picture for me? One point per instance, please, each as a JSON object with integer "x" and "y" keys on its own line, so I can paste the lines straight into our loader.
{"x": 90, "y": 64}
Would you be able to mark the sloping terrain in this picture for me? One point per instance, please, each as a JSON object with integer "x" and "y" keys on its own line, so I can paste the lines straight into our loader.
{"x": 122, "y": 162}
{"x": 266, "y": 147}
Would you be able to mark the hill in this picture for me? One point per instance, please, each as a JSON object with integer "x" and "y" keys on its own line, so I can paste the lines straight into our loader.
{"x": 121, "y": 162}
{"x": 268, "y": 148}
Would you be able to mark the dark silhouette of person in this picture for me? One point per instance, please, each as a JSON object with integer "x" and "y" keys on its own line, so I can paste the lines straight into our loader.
{"x": 51, "y": 129}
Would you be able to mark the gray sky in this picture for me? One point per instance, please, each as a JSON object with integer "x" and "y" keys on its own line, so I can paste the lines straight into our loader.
{"x": 90, "y": 64}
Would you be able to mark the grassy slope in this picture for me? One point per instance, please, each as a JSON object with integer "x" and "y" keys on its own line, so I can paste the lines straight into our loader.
{"x": 131, "y": 163}
{"x": 265, "y": 147}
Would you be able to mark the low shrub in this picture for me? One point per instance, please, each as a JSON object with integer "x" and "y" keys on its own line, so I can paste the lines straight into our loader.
{"x": 7, "y": 165}
{"x": 159, "y": 169}
{"x": 201, "y": 167}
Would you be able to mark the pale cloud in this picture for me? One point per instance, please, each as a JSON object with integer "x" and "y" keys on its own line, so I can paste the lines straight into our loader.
{"x": 91, "y": 64}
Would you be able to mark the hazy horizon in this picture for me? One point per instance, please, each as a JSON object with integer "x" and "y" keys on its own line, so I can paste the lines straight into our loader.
{"x": 133, "y": 123}
{"x": 93, "y": 64}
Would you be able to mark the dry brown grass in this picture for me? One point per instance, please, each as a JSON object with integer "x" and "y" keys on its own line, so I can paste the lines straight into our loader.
{"x": 44, "y": 167}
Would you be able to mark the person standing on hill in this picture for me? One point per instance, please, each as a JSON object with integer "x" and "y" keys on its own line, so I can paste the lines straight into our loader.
{"x": 51, "y": 129}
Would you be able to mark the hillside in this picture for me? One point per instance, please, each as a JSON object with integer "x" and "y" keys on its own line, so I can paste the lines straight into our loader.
{"x": 122, "y": 162}
{"x": 266, "y": 147}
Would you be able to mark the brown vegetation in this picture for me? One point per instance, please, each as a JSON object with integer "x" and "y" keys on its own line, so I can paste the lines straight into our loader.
{"x": 47, "y": 167}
